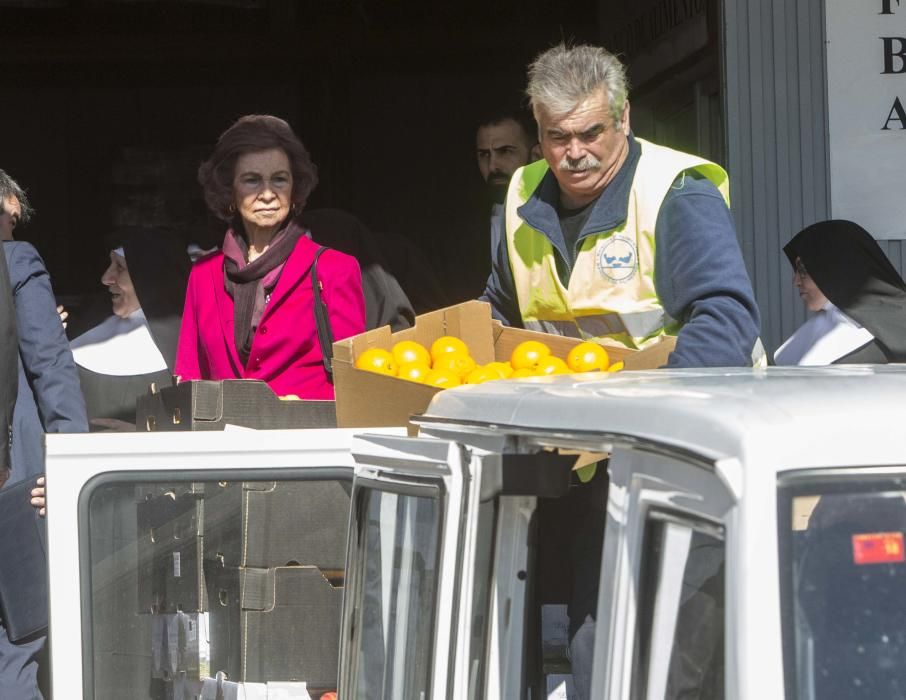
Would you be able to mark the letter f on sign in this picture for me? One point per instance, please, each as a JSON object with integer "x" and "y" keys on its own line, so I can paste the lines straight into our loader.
{"x": 886, "y": 7}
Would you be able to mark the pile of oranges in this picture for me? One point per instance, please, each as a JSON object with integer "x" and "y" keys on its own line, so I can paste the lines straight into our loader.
{"x": 448, "y": 363}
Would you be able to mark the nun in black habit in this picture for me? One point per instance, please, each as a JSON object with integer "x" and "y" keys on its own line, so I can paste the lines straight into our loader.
{"x": 120, "y": 357}
{"x": 858, "y": 299}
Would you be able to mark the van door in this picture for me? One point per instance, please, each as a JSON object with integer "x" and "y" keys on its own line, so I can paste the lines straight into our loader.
{"x": 188, "y": 565}
{"x": 407, "y": 568}
{"x": 437, "y": 568}
{"x": 664, "y": 593}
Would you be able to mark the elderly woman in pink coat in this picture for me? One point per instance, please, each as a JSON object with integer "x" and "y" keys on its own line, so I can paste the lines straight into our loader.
{"x": 250, "y": 308}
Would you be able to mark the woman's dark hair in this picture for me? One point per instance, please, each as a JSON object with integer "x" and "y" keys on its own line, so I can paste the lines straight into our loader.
{"x": 250, "y": 134}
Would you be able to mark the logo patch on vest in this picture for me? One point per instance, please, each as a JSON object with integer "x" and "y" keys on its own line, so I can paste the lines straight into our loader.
{"x": 617, "y": 259}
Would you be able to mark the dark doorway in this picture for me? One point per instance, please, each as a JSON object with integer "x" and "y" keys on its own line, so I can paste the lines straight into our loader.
{"x": 110, "y": 105}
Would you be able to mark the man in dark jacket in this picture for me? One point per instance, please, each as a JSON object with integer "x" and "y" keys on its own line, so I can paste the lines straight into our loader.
{"x": 9, "y": 355}
{"x": 48, "y": 400}
{"x": 386, "y": 304}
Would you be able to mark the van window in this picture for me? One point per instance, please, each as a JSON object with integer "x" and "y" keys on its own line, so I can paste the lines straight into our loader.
{"x": 843, "y": 565}
{"x": 481, "y": 598}
{"x": 394, "y": 598}
{"x": 191, "y": 580}
{"x": 680, "y": 641}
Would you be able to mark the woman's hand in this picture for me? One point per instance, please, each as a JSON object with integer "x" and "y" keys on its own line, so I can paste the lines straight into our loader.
{"x": 38, "y": 499}
{"x": 63, "y": 313}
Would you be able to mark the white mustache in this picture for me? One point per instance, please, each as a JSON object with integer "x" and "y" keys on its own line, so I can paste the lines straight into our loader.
{"x": 587, "y": 162}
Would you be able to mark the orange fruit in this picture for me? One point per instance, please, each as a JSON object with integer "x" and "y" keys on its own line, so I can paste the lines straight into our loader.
{"x": 587, "y": 357}
{"x": 446, "y": 344}
{"x": 522, "y": 372}
{"x": 443, "y": 378}
{"x": 377, "y": 360}
{"x": 550, "y": 365}
{"x": 504, "y": 369}
{"x": 454, "y": 362}
{"x": 480, "y": 375}
{"x": 526, "y": 354}
{"x": 616, "y": 366}
{"x": 413, "y": 371}
{"x": 408, "y": 351}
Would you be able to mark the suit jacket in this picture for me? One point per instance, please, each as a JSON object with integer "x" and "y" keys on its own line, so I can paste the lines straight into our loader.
{"x": 49, "y": 398}
{"x": 285, "y": 351}
{"x": 8, "y": 363}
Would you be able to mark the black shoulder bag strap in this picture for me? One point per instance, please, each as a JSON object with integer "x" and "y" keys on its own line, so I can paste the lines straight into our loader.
{"x": 322, "y": 320}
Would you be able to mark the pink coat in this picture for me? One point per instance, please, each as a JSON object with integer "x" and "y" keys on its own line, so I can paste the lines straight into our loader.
{"x": 285, "y": 352}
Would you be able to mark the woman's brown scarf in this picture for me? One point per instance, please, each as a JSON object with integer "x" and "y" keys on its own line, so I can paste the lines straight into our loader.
{"x": 250, "y": 284}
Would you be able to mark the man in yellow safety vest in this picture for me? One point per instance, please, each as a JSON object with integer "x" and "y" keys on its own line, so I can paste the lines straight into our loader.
{"x": 618, "y": 240}
{"x": 614, "y": 238}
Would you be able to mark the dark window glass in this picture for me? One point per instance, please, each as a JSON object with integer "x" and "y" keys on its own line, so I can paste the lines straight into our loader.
{"x": 188, "y": 580}
{"x": 395, "y": 596}
{"x": 844, "y": 591}
{"x": 680, "y": 644}
{"x": 481, "y": 598}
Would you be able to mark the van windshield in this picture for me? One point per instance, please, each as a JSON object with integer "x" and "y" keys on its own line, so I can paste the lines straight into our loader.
{"x": 844, "y": 588}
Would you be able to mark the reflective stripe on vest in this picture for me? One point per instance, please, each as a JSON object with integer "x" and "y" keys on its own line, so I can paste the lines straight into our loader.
{"x": 611, "y": 293}
{"x": 638, "y": 324}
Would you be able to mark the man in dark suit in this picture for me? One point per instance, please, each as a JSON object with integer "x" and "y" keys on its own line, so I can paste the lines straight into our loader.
{"x": 48, "y": 400}
{"x": 9, "y": 360}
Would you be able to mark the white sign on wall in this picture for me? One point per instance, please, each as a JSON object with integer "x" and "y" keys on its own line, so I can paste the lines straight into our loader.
{"x": 866, "y": 94}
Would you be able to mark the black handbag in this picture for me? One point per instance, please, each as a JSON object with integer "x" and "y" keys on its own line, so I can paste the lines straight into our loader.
{"x": 322, "y": 320}
{"x": 23, "y": 562}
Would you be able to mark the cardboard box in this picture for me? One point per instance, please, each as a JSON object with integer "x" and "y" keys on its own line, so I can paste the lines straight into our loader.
{"x": 209, "y": 405}
{"x": 366, "y": 400}
{"x": 277, "y": 523}
{"x": 170, "y": 551}
{"x": 277, "y": 624}
{"x": 291, "y": 626}
{"x": 219, "y": 689}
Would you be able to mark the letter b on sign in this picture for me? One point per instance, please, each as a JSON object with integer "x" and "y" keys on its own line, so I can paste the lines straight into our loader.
{"x": 894, "y": 53}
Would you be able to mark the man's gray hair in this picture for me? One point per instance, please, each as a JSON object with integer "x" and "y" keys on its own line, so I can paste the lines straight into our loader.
{"x": 10, "y": 188}
{"x": 562, "y": 77}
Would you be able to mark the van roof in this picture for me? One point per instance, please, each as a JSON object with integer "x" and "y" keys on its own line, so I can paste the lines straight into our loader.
{"x": 800, "y": 416}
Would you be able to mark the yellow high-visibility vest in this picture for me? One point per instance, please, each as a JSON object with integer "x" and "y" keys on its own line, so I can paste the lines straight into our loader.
{"x": 610, "y": 296}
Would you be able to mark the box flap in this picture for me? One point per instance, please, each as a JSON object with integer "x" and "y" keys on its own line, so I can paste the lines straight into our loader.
{"x": 207, "y": 400}
{"x": 651, "y": 357}
{"x": 369, "y": 400}
{"x": 470, "y": 321}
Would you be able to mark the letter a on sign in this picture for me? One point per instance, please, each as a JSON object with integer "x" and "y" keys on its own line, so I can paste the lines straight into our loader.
{"x": 897, "y": 113}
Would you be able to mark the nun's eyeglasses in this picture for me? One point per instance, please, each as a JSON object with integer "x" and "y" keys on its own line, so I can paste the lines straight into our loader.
{"x": 800, "y": 271}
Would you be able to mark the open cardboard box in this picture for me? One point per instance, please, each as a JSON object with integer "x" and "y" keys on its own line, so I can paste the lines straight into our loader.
{"x": 369, "y": 400}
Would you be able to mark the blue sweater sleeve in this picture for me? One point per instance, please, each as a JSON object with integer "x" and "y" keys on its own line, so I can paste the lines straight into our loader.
{"x": 500, "y": 290}
{"x": 701, "y": 279}
{"x": 45, "y": 353}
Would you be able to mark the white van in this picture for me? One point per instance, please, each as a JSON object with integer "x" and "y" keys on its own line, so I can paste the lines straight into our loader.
{"x": 754, "y": 546}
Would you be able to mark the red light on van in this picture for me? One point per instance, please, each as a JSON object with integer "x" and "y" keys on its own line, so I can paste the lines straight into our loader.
{"x": 879, "y": 548}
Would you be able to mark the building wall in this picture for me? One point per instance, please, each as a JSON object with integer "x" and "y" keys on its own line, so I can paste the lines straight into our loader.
{"x": 777, "y": 142}
{"x": 776, "y": 107}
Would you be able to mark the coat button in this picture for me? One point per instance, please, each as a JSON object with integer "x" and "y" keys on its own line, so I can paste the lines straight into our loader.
{"x": 263, "y": 330}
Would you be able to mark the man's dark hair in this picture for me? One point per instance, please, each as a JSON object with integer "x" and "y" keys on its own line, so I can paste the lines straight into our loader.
{"x": 523, "y": 118}
{"x": 10, "y": 188}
